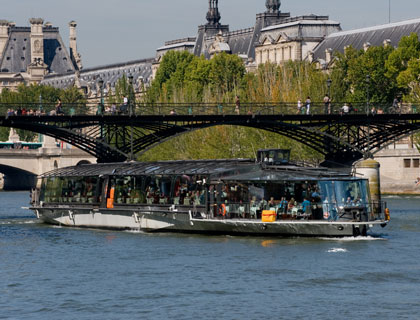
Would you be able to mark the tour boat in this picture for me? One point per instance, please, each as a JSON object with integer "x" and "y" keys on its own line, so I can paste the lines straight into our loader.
{"x": 269, "y": 196}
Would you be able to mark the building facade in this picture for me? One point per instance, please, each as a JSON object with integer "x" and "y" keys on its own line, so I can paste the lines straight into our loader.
{"x": 28, "y": 54}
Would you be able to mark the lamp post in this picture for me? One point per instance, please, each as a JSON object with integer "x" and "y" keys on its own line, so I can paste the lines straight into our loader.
{"x": 367, "y": 93}
{"x": 40, "y": 103}
{"x": 101, "y": 104}
{"x": 40, "y": 136}
{"x": 328, "y": 107}
{"x": 130, "y": 96}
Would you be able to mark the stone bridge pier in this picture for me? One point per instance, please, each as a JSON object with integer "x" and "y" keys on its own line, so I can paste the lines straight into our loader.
{"x": 19, "y": 168}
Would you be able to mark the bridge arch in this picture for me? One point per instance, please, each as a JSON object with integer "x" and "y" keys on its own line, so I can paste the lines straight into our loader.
{"x": 17, "y": 179}
{"x": 83, "y": 162}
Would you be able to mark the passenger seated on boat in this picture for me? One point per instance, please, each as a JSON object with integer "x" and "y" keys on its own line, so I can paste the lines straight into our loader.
{"x": 291, "y": 204}
{"x": 253, "y": 208}
{"x": 196, "y": 199}
{"x": 282, "y": 207}
{"x": 263, "y": 203}
{"x": 187, "y": 201}
{"x": 137, "y": 196}
{"x": 349, "y": 202}
{"x": 358, "y": 202}
{"x": 271, "y": 205}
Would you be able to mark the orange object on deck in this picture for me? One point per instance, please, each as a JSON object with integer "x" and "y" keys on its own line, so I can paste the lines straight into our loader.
{"x": 110, "y": 203}
{"x": 112, "y": 193}
{"x": 268, "y": 216}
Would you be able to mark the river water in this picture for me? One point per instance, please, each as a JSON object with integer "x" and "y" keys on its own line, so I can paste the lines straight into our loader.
{"x": 49, "y": 272}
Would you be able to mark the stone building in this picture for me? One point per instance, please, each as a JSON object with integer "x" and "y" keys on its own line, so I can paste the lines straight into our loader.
{"x": 387, "y": 34}
{"x": 275, "y": 36}
{"x": 28, "y": 54}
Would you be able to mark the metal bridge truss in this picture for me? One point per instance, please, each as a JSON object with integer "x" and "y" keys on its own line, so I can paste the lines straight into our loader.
{"x": 111, "y": 138}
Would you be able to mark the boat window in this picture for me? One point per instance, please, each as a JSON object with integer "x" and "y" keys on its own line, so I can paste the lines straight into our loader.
{"x": 189, "y": 190}
{"x": 341, "y": 194}
{"x": 289, "y": 198}
{"x": 350, "y": 192}
{"x": 127, "y": 189}
{"x": 70, "y": 190}
{"x": 157, "y": 189}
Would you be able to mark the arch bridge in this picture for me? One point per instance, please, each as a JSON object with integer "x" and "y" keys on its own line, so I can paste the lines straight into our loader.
{"x": 341, "y": 138}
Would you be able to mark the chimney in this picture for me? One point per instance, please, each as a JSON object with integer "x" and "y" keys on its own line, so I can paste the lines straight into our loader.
{"x": 74, "y": 55}
{"x": 37, "y": 40}
{"x": 366, "y": 46}
{"x": 4, "y": 35}
{"x": 328, "y": 55}
{"x": 311, "y": 56}
{"x": 387, "y": 43}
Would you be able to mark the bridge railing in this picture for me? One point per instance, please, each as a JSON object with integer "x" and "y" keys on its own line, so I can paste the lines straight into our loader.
{"x": 248, "y": 108}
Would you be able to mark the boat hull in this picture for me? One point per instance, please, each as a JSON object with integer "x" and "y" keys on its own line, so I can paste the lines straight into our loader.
{"x": 186, "y": 222}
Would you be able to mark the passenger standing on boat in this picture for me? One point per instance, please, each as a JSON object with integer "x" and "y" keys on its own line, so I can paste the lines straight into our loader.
{"x": 306, "y": 206}
{"x": 282, "y": 207}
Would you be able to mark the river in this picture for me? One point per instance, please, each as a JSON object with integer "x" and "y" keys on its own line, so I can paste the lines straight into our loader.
{"x": 49, "y": 272}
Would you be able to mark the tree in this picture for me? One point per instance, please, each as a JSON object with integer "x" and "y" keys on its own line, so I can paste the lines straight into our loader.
{"x": 226, "y": 73}
{"x": 408, "y": 48}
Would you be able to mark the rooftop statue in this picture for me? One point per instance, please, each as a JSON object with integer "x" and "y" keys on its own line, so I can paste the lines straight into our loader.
{"x": 273, "y": 6}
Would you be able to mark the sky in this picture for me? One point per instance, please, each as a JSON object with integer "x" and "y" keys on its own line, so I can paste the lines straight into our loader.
{"x": 114, "y": 31}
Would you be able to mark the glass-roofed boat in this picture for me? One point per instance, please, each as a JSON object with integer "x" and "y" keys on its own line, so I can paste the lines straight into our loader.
{"x": 268, "y": 196}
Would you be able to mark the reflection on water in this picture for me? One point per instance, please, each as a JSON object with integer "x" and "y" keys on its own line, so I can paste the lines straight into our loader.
{"x": 51, "y": 272}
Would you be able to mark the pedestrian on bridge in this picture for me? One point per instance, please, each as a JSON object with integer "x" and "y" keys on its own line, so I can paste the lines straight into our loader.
{"x": 327, "y": 104}
{"x": 308, "y": 105}
{"x": 237, "y": 105}
{"x": 299, "y": 106}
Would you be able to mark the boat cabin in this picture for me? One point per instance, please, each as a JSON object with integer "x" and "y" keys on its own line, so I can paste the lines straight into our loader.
{"x": 213, "y": 189}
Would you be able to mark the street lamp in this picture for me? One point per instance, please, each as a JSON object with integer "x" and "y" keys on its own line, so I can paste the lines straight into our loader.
{"x": 367, "y": 93}
{"x": 130, "y": 102}
{"x": 328, "y": 102}
{"x": 101, "y": 88}
{"x": 329, "y": 81}
{"x": 40, "y": 103}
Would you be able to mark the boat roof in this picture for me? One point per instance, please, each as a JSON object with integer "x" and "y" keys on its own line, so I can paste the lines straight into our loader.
{"x": 187, "y": 167}
{"x": 288, "y": 173}
{"x": 227, "y": 170}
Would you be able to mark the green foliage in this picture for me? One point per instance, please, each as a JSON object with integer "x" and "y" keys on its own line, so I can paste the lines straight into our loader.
{"x": 183, "y": 77}
{"x": 287, "y": 83}
{"x": 223, "y": 142}
{"x": 408, "y": 49}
